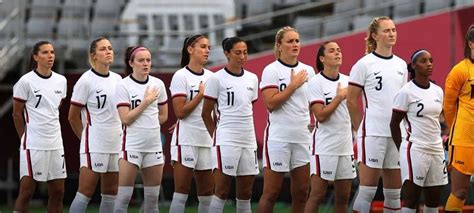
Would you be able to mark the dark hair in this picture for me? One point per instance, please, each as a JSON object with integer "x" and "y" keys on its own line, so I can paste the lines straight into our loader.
{"x": 228, "y": 43}
{"x": 129, "y": 56}
{"x": 32, "y": 64}
{"x": 319, "y": 63}
{"x": 188, "y": 41}
{"x": 469, "y": 38}
{"x": 414, "y": 56}
{"x": 93, "y": 48}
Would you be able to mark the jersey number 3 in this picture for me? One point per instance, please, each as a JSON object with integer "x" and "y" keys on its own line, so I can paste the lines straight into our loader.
{"x": 379, "y": 83}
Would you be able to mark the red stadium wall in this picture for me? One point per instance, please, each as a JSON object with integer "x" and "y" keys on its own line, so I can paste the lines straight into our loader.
{"x": 442, "y": 34}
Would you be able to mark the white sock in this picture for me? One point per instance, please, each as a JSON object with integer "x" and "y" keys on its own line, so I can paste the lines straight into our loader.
{"x": 151, "y": 194}
{"x": 178, "y": 203}
{"x": 107, "y": 203}
{"x": 204, "y": 204}
{"x": 79, "y": 204}
{"x": 408, "y": 210}
{"x": 243, "y": 206}
{"x": 217, "y": 205}
{"x": 364, "y": 198}
{"x": 123, "y": 198}
{"x": 427, "y": 209}
{"x": 391, "y": 201}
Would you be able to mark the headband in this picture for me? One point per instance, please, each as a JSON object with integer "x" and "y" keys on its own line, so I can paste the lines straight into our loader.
{"x": 416, "y": 54}
{"x": 138, "y": 49}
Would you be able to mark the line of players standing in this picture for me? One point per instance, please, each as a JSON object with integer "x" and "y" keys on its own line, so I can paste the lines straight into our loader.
{"x": 118, "y": 122}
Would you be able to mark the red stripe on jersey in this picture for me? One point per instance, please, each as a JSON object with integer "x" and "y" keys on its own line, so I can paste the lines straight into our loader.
{"x": 219, "y": 161}
{"x": 25, "y": 131}
{"x": 125, "y": 155}
{"x": 363, "y": 140}
{"x": 409, "y": 128}
{"x": 314, "y": 142}
{"x": 77, "y": 104}
{"x": 123, "y": 105}
{"x": 365, "y": 98}
{"x": 210, "y": 98}
{"x": 86, "y": 143}
{"x": 177, "y": 133}
{"x": 269, "y": 87}
{"x": 316, "y": 102}
{"x": 267, "y": 156}
{"x": 399, "y": 110}
{"x": 179, "y": 154}
{"x": 19, "y": 99}
{"x": 410, "y": 168}
{"x": 318, "y": 166}
{"x": 179, "y": 95}
{"x": 124, "y": 137}
{"x": 88, "y": 159}
{"x": 163, "y": 103}
{"x": 356, "y": 84}
{"x": 88, "y": 117}
{"x": 28, "y": 163}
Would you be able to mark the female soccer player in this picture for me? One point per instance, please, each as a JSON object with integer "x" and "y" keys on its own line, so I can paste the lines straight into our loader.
{"x": 419, "y": 103}
{"x": 141, "y": 102}
{"x": 93, "y": 100}
{"x": 287, "y": 139}
{"x": 191, "y": 144}
{"x": 459, "y": 114}
{"x": 233, "y": 90}
{"x": 379, "y": 75}
{"x": 37, "y": 97}
{"x": 332, "y": 154}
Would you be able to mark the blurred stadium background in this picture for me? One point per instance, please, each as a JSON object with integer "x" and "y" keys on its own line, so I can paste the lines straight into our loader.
{"x": 162, "y": 25}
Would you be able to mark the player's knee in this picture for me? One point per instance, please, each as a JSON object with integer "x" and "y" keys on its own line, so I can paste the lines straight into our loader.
{"x": 56, "y": 193}
{"x": 342, "y": 199}
{"x": 461, "y": 193}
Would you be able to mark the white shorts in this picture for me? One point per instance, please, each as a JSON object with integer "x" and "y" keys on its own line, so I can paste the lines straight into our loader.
{"x": 333, "y": 167}
{"x": 284, "y": 157}
{"x": 378, "y": 152}
{"x": 143, "y": 159}
{"x": 235, "y": 161}
{"x": 100, "y": 162}
{"x": 421, "y": 168}
{"x": 42, "y": 165}
{"x": 194, "y": 157}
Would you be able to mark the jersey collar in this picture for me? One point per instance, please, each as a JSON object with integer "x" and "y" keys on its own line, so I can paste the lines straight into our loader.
{"x": 233, "y": 74}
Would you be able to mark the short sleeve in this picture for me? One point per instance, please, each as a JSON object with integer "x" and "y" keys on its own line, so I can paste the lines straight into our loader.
{"x": 269, "y": 79}
{"x": 65, "y": 87}
{"x": 121, "y": 95}
{"x": 20, "y": 90}
{"x": 255, "y": 89}
{"x": 401, "y": 102}
{"x": 315, "y": 94}
{"x": 212, "y": 88}
{"x": 80, "y": 92}
{"x": 358, "y": 75}
{"x": 163, "y": 98}
{"x": 178, "y": 85}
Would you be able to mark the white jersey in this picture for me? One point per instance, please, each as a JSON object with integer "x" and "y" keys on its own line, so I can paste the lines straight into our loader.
{"x": 380, "y": 79}
{"x": 288, "y": 123}
{"x": 131, "y": 92}
{"x": 423, "y": 107}
{"x": 234, "y": 95}
{"x": 190, "y": 130}
{"x": 102, "y": 126}
{"x": 334, "y": 136}
{"x": 42, "y": 97}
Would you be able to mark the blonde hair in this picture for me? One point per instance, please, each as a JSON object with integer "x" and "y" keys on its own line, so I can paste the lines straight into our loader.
{"x": 279, "y": 36}
{"x": 370, "y": 42}
{"x": 93, "y": 49}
